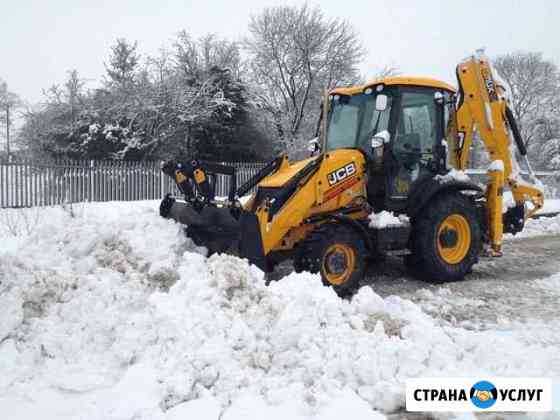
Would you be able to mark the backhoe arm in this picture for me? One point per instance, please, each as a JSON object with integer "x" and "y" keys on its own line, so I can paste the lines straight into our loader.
{"x": 482, "y": 103}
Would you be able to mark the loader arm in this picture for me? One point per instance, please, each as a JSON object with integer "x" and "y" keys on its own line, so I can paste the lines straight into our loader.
{"x": 482, "y": 104}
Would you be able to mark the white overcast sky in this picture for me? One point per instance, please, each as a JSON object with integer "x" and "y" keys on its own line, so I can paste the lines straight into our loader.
{"x": 40, "y": 40}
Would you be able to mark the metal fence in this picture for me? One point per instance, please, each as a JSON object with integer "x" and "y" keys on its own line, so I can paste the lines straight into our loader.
{"x": 27, "y": 183}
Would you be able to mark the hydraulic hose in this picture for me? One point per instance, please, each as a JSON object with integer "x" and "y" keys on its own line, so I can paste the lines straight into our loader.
{"x": 515, "y": 130}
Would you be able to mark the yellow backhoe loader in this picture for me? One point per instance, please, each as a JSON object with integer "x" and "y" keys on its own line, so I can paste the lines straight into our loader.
{"x": 395, "y": 144}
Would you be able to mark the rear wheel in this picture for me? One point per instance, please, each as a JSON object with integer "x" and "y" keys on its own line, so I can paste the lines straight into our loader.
{"x": 446, "y": 239}
{"x": 338, "y": 253}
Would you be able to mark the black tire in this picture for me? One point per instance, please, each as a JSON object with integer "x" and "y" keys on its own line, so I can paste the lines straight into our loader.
{"x": 340, "y": 247}
{"x": 436, "y": 252}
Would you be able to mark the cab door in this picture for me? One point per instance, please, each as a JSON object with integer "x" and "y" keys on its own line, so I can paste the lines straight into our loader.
{"x": 416, "y": 128}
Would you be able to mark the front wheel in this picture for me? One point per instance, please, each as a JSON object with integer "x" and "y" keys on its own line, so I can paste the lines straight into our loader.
{"x": 338, "y": 253}
{"x": 446, "y": 239}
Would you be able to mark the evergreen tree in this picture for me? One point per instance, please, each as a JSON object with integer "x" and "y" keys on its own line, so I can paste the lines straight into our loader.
{"x": 123, "y": 64}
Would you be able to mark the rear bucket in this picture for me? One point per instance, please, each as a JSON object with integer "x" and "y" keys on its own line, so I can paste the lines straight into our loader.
{"x": 212, "y": 227}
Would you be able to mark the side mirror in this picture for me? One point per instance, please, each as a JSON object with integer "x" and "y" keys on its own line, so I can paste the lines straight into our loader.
{"x": 381, "y": 102}
{"x": 378, "y": 148}
{"x": 376, "y": 142}
{"x": 313, "y": 146}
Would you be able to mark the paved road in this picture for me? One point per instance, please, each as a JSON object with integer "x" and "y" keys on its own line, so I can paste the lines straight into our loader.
{"x": 498, "y": 288}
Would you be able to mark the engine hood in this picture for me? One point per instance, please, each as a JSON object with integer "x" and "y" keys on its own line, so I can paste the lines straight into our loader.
{"x": 284, "y": 174}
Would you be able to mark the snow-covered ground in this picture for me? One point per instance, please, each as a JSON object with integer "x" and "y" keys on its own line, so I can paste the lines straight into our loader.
{"x": 110, "y": 313}
{"x": 538, "y": 227}
{"x": 551, "y": 205}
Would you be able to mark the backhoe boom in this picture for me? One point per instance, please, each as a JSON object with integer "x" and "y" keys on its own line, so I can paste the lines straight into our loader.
{"x": 482, "y": 104}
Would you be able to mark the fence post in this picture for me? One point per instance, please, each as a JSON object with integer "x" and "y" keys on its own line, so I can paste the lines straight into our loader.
{"x": 92, "y": 180}
{"x": 161, "y": 186}
{"x": 2, "y": 186}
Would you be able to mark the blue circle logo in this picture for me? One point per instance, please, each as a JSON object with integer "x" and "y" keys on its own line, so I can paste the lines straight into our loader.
{"x": 483, "y": 394}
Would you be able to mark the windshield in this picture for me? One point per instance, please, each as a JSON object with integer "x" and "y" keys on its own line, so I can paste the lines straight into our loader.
{"x": 353, "y": 120}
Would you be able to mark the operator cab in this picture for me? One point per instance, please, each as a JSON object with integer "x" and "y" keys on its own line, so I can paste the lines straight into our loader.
{"x": 399, "y": 124}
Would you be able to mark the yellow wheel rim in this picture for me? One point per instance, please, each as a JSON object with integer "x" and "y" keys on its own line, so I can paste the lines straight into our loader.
{"x": 338, "y": 263}
{"x": 454, "y": 239}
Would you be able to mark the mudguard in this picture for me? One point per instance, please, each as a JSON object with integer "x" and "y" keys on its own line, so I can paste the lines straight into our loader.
{"x": 425, "y": 191}
{"x": 359, "y": 227}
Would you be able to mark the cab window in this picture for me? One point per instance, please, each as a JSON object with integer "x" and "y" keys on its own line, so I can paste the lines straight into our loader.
{"x": 415, "y": 138}
{"x": 373, "y": 122}
{"x": 353, "y": 121}
{"x": 344, "y": 122}
{"x": 416, "y": 131}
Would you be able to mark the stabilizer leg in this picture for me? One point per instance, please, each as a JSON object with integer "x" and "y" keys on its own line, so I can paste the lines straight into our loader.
{"x": 494, "y": 202}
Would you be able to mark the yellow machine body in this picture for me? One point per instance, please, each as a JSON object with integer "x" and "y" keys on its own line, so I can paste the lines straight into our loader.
{"x": 482, "y": 104}
{"x": 316, "y": 210}
{"x": 339, "y": 182}
{"x": 325, "y": 191}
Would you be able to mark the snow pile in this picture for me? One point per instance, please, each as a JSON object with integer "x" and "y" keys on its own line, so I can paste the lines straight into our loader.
{"x": 551, "y": 206}
{"x": 386, "y": 219}
{"x": 453, "y": 175}
{"x": 115, "y": 315}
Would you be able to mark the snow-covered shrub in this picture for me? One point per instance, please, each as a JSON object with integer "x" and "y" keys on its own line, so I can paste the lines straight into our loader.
{"x": 17, "y": 222}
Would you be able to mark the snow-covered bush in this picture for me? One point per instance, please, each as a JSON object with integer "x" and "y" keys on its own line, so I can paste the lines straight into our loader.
{"x": 18, "y": 222}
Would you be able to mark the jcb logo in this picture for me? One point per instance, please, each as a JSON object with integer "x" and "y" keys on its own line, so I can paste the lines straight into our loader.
{"x": 341, "y": 173}
{"x": 490, "y": 87}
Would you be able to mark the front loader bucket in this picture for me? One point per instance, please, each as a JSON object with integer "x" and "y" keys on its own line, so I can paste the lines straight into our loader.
{"x": 212, "y": 227}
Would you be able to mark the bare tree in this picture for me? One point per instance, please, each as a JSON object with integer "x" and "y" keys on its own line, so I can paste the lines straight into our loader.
{"x": 535, "y": 86}
{"x": 535, "y": 102}
{"x": 295, "y": 52}
{"x": 9, "y": 101}
{"x": 68, "y": 95}
{"x": 74, "y": 89}
{"x": 160, "y": 65}
{"x": 197, "y": 57}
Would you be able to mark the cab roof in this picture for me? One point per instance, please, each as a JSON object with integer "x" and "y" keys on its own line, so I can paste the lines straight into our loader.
{"x": 396, "y": 80}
